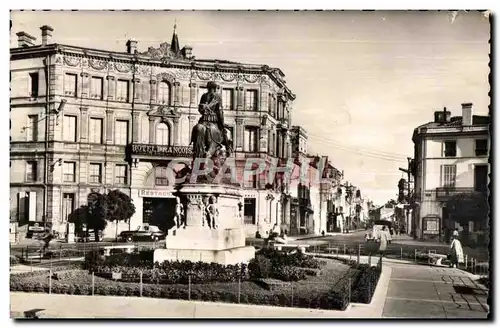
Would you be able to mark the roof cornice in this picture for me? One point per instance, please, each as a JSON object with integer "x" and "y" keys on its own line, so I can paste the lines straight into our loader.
{"x": 275, "y": 74}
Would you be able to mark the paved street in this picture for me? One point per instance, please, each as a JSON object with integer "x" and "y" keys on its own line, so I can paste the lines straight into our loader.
{"x": 417, "y": 291}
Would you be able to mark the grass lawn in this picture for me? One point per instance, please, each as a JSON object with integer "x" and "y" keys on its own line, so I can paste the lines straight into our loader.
{"x": 330, "y": 274}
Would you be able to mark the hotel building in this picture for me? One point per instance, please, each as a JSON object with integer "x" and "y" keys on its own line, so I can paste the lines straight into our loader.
{"x": 86, "y": 120}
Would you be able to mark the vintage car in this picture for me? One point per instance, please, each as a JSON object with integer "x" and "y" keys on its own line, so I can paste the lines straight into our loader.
{"x": 374, "y": 233}
{"x": 144, "y": 232}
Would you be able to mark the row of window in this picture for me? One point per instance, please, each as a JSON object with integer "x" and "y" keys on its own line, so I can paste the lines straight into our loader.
{"x": 449, "y": 176}
{"x": 70, "y": 132}
{"x": 95, "y": 174}
{"x": 69, "y": 172}
{"x": 480, "y": 148}
{"x": 164, "y": 93}
{"x": 121, "y": 130}
{"x": 121, "y": 134}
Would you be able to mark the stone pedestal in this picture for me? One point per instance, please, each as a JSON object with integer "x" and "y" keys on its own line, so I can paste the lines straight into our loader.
{"x": 198, "y": 241}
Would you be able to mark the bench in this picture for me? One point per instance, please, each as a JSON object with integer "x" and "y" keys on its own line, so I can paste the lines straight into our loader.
{"x": 436, "y": 259}
{"x": 280, "y": 247}
{"x": 128, "y": 249}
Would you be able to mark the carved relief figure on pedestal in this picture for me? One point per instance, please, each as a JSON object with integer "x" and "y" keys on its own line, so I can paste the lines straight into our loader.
{"x": 213, "y": 213}
{"x": 203, "y": 209}
{"x": 179, "y": 217}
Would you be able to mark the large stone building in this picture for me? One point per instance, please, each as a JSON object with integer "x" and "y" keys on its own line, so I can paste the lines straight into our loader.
{"x": 87, "y": 120}
{"x": 451, "y": 158}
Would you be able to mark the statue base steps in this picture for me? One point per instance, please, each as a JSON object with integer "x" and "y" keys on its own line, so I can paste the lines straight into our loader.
{"x": 225, "y": 257}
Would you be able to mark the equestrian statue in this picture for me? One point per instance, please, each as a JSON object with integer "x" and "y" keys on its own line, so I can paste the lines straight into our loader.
{"x": 210, "y": 137}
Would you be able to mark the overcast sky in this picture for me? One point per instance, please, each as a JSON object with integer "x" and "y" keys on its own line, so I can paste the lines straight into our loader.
{"x": 363, "y": 80}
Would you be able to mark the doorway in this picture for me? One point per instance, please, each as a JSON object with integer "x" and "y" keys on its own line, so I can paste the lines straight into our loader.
{"x": 159, "y": 212}
{"x": 68, "y": 206}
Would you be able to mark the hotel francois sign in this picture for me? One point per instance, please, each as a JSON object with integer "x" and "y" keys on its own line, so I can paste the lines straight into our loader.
{"x": 160, "y": 150}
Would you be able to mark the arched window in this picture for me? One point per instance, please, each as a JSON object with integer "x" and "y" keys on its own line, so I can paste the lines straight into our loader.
{"x": 164, "y": 93}
{"x": 162, "y": 134}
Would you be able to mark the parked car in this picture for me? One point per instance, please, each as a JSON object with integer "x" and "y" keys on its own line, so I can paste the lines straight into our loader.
{"x": 142, "y": 233}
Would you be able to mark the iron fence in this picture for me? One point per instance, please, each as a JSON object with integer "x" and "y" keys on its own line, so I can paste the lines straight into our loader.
{"x": 65, "y": 254}
{"x": 421, "y": 255}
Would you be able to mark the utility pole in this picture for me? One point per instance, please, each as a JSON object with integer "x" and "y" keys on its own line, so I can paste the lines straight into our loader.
{"x": 408, "y": 171}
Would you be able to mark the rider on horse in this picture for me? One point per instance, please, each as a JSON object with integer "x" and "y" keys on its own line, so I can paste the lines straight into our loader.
{"x": 210, "y": 128}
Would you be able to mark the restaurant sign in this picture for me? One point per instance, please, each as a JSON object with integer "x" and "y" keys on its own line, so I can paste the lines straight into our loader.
{"x": 155, "y": 193}
{"x": 160, "y": 150}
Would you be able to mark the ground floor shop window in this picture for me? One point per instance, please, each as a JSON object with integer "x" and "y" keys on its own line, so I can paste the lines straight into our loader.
{"x": 249, "y": 210}
{"x": 159, "y": 212}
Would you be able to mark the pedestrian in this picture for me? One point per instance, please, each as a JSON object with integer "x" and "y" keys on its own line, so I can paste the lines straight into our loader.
{"x": 457, "y": 253}
{"x": 383, "y": 238}
{"x": 46, "y": 238}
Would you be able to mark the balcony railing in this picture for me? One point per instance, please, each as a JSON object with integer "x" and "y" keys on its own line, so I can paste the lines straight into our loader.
{"x": 160, "y": 150}
{"x": 445, "y": 193}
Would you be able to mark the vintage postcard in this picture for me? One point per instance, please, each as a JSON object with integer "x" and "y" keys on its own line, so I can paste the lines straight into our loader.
{"x": 250, "y": 164}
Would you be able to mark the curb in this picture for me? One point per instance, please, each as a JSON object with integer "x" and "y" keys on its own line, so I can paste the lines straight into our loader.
{"x": 375, "y": 308}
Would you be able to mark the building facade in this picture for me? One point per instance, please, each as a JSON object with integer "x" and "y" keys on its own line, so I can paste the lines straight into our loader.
{"x": 451, "y": 158}
{"x": 86, "y": 120}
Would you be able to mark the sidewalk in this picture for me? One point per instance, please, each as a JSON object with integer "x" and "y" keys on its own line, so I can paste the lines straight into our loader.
{"x": 72, "y": 306}
{"x": 417, "y": 291}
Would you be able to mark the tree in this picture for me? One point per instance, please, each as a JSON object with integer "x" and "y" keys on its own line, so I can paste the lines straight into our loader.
{"x": 465, "y": 207}
{"x": 96, "y": 214}
{"x": 119, "y": 207}
{"x": 79, "y": 217}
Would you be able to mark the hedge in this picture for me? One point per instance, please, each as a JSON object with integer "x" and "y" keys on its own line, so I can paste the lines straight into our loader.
{"x": 363, "y": 284}
{"x": 271, "y": 263}
{"x": 173, "y": 272}
{"x": 197, "y": 292}
{"x": 267, "y": 263}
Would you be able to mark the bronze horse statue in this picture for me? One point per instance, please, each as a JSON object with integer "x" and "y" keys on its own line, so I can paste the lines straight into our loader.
{"x": 208, "y": 141}
{"x": 211, "y": 138}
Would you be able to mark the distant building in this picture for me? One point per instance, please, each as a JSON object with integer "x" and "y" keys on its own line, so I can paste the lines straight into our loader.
{"x": 312, "y": 199}
{"x": 451, "y": 158}
{"x": 88, "y": 120}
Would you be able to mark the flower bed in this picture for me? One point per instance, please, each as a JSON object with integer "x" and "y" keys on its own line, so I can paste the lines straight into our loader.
{"x": 303, "y": 280}
{"x": 314, "y": 292}
{"x": 315, "y": 295}
{"x": 271, "y": 263}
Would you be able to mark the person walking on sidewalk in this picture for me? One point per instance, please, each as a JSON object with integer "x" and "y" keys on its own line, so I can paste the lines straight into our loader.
{"x": 383, "y": 240}
{"x": 457, "y": 253}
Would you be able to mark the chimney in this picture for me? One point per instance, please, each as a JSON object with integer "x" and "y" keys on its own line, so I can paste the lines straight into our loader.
{"x": 25, "y": 40}
{"x": 467, "y": 114}
{"x": 442, "y": 116}
{"x": 46, "y": 34}
{"x": 131, "y": 46}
